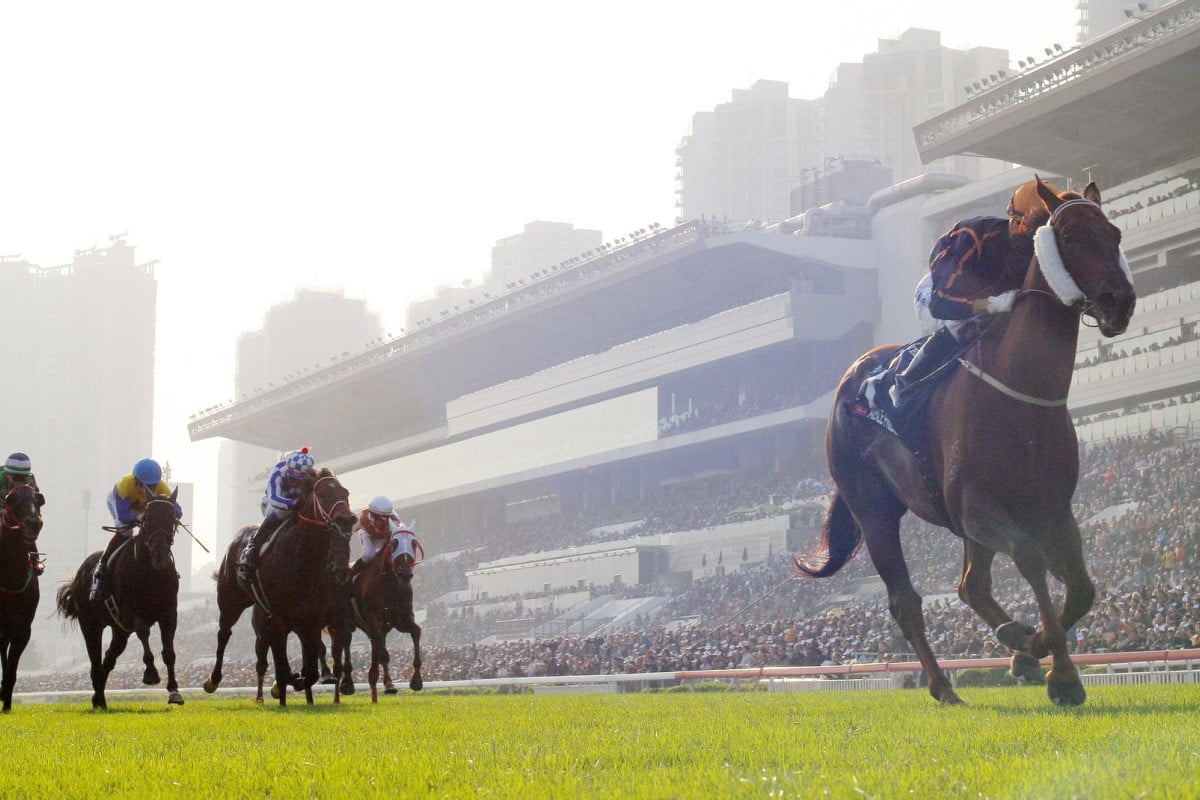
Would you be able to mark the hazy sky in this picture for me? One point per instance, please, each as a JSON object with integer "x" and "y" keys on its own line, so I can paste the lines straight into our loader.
{"x": 256, "y": 147}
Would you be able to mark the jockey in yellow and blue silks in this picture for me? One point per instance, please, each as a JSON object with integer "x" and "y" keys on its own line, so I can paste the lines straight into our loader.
{"x": 969, "y": 278}
{"x": 286, "y": 485}
{"x": 126, "y": 502}
{"x": 18, "y": 471}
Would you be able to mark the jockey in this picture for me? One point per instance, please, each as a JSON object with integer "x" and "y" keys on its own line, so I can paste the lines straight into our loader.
{"x": 126, "y": 502}
{"x": 288, "y": 482}
{"x": 18, "y": 471}
{"x": 375, "y": 525}
{"x": 968, "y": 279}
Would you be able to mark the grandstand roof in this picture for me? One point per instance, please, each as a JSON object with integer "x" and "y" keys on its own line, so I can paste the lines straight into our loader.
{"x": 1115, "y": 108}
{"x": 399, "y": 388}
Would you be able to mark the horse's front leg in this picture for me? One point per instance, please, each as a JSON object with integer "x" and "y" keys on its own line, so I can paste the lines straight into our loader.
{"x": 416, "y": 683}
{"x": 166, "y": 631}
{"x": 975, "y": 589}
{"x": 150, "y": 676}
{"x": 310, "y": 645}
{"x": 283, "y": 670}
{"x": 378, "y": 657}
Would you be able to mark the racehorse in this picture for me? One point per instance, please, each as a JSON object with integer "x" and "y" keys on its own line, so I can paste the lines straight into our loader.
{"x": 339, "y": 558}
{"x": 1002, "y": 457}
{"x": 294, "y": 582}
{"x": 20, "y": 524}
{"x": 383, "y": 600}
{"x": 145, "y": 591}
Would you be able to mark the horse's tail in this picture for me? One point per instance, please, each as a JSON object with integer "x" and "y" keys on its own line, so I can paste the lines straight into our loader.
{"x": 840, "y": 539}
{"x": 68, "y": 603}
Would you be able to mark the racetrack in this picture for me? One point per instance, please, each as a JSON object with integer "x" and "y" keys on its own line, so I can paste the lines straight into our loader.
{"x": 1135, "y": 741}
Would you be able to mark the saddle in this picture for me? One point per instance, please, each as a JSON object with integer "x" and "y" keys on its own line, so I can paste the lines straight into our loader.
{"x": 909, "y": 422}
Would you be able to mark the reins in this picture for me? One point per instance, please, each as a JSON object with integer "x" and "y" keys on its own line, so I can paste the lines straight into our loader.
{"x": 1064, "y": 291}
{"x": 325, "y": 515}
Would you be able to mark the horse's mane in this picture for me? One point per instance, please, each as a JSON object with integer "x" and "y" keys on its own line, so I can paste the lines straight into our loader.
{"x": 325, "y": 472}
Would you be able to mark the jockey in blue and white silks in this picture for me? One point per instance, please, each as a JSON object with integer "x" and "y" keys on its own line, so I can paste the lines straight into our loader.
{"x": 286, "y": 485}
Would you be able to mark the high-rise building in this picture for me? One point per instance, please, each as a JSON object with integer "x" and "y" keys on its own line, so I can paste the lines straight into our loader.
{"x": 746, "y": 159}
{"x": 1098, "y": 17}
{"x": 541, "y": 245}
{"x": 83, "y": 409}
{"x": 79, "y": 394}
{"x": 300, "y": 336}
{"x": 741, "y": 160}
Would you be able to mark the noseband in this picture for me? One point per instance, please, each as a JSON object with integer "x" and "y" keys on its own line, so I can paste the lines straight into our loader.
{"x": 322, "y": 516}
{"x": 1045, "y": 247}
{"x": 9, "y": 519}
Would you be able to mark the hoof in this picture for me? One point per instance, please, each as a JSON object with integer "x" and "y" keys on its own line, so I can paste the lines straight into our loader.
{"x": 390, "y": 690}
{"x": 1065, "y": 693}
{"x": 258, "y": 701}
{"x": 951, "y": 698}
{"x": 328, "y": 680}
{"x": 151, "y": 678}
{"x": 175, "y": 699}
{"x": 347, "y": 688}
{"x": 275, "y": 691}
{"x": 1026, "y": 669}
{"x": 416, "y": 684}
{"x": 209, "y": 686}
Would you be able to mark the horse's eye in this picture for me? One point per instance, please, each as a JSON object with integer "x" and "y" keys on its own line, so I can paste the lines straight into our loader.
{"x": 1068, "y": 237}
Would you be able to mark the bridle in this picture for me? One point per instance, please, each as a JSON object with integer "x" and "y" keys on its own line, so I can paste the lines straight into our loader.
{"x": 322, "y": 516}
{"x": 9, "y": 519}
{"x": 147, "y": 538}
{"x": 1063, "y": 289}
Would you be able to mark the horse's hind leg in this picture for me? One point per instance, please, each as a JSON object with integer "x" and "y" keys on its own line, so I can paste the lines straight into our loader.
{"x": 881, "y": 529}
{"x": 115, "y": 647}
{"x": 150, "y": 676}
{"x": 92, "y": 641}
{"x": 975, "y": 589}
{"x": 166, "y": 632}
{"x": 230, "y": 610}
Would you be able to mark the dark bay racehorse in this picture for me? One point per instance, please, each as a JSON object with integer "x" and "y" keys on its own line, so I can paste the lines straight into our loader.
{"x": 20, "y": 524}
{"x": 1002, "y": 451}
{"x": 145, "y": 592}
{"x": 296, "y": 578}
{"x": 383, "y": 601}
{"x": 339, "y": 559}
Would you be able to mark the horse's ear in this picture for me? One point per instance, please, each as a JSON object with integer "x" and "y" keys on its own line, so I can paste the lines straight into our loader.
{"x": 174, "y": 494}
{"x": 1092, "y": 192}
{"x": 1047, "y": 194}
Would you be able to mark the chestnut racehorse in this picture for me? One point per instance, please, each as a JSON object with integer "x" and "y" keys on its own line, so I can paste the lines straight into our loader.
{"x": 1002, "y": 454}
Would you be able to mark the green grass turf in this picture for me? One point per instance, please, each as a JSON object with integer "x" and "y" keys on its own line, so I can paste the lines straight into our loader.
{"x": 1007, "y": 743}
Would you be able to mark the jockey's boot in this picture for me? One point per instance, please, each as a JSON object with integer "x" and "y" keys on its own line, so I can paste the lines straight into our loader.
{"x": 356, "y": 568}
{"x": 248, "y": 561}
{"x": 933, "y": 354}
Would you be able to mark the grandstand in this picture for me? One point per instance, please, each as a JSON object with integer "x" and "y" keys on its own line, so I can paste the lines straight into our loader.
{"x": 645, "y": 420}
